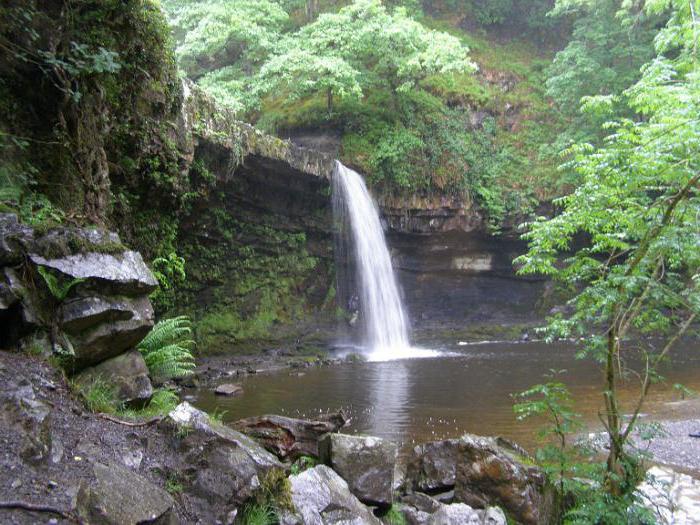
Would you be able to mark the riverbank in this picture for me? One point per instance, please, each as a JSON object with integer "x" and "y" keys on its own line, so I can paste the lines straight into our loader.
{"x": 62, "y": 464}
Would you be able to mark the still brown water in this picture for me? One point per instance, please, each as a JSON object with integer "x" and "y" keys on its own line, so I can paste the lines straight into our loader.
{"x": 467, "y": 391}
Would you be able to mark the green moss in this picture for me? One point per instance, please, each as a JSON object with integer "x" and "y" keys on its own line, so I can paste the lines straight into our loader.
{"x": 71, "y": 242}
{"x": 394, "y": 517}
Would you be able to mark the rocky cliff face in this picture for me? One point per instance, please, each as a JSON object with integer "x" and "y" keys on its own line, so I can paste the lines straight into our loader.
{"x": 79, "y": 296}
{"x": 465, "y": 281}
{"x": 256, "y": 235}
{"x": 438, "y": 213}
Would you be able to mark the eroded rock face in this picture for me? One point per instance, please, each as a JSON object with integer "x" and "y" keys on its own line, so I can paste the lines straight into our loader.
{"x": 28, "y": 416}
{"x": 490, "y": 471}
{"x": 227, "y": 465}
{"x": 431, "y": 467}
{"x": 439, "y": 213}
{"x": 420, "y": 509}
{"x": 322, "y": 497}
{"x": 124, "y": 272}
{"x": 119, "y": 496}
{"x": 102, "y": 307}
{"x": 365, "y": 463}
{"x": 127, "y": 372}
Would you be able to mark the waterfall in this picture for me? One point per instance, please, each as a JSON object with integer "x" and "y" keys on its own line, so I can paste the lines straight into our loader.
{"x": 361, "y": 241}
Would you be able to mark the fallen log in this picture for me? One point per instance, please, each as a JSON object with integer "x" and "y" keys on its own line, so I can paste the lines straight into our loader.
{"x": 290, "y": 438}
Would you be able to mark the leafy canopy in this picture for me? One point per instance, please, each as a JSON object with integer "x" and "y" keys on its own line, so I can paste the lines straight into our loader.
{"x": 211, "y": 30}
{"x": 608, "y": 45}
{"x": 360, "y": 46}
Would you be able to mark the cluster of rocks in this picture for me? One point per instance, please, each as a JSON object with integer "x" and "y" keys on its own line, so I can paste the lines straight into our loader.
{"x": 358, "y": 478}
{"x": 77, "y": 294}
{"x": 59, "y": 462}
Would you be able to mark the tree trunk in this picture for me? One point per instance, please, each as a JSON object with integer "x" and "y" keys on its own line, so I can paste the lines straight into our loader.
{"x": 329, "y": 100}
{"x": 615, "y": 473}
{"x": 311, "y": 9}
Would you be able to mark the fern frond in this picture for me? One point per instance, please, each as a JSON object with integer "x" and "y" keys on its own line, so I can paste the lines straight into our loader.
{"x": 167, "y": 349}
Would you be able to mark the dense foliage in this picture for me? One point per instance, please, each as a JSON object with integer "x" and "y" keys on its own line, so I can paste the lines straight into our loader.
{"x": 629, "y": 236}
{"x": 396, "y": 84}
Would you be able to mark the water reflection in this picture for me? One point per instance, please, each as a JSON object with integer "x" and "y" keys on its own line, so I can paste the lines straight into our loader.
{"x": 468, "y": 390}
{"x": 389, "y": 386}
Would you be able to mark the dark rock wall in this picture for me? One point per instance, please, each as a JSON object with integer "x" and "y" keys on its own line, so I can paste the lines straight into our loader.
{"x": 458, "y": 280}
{"x": 258, "y": 242}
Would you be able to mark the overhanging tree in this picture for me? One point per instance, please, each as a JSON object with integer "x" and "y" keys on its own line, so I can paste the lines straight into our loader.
{"x": 638, "y": 275}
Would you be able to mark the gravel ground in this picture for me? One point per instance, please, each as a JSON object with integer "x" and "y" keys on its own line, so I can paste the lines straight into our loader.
{"x": 677, "y": 448}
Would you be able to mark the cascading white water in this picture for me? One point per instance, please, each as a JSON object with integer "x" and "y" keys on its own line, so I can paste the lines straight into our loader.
{"x": 384, "y": 319}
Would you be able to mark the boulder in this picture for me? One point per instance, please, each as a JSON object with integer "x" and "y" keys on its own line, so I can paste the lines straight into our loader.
{"x": 492, "y": 471}
{"x": 82, "y": 313}
{"x": 7, "y": 296}
{"x": 228, "y": 389}
{"x": 227, "y": 466}
{"x": 123, "y": 273}
{"x": 288, "y": 437}
{"x": 417, "y": 508}
{"x": 30, "y": 418}
{"x": 494, "y": 516}
{"x": 321, "y": 497}
{"x": 12, "y": 236}
{"x": 420, "y": 509}
{"x": 431, "y": 467}
{"x": 119, "y": 496}
{"x": 366, "y": 463}
{"x": 127, "y": 372}
{"x": 111, "y": 338}
{"x": 455, "y": 514}
{"x": 14, "y": 287}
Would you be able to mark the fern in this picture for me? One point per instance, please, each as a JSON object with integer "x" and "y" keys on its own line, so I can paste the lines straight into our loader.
{"x": 167, "y": 349}
{"x": 58, "y": 290}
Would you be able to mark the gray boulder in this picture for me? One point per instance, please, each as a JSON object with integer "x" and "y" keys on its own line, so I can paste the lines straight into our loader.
{"x": 82, "y": 313}
{"x": 119, "y": 496}
{"x": 321, "y": 497}
{"x": 417, "y": 508}
{"x": 7, "y": 296}
{"x": 30, "y": 418}
{"x": 492, "y": 471}
{"x": 288, "y": 437}
{"x": 494, "y": 516}
{"x": 455, "y": 514}
{"x": 228, "y": 389}
{"x": 421, "y": 509}
{"x": 12, "y": 236}
{"x": 127, "y": 372}
{"x": 124, "y": 272}
{"x": 111, "y": 338}
{"x": 227, "y": 466}
{"x": 366, "y": 463}
{"x": 431, "y": 467}
{"x": 16, "y": 291}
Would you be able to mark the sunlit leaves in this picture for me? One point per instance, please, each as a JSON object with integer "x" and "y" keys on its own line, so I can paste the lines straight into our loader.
{"x": 363, "y": 44}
